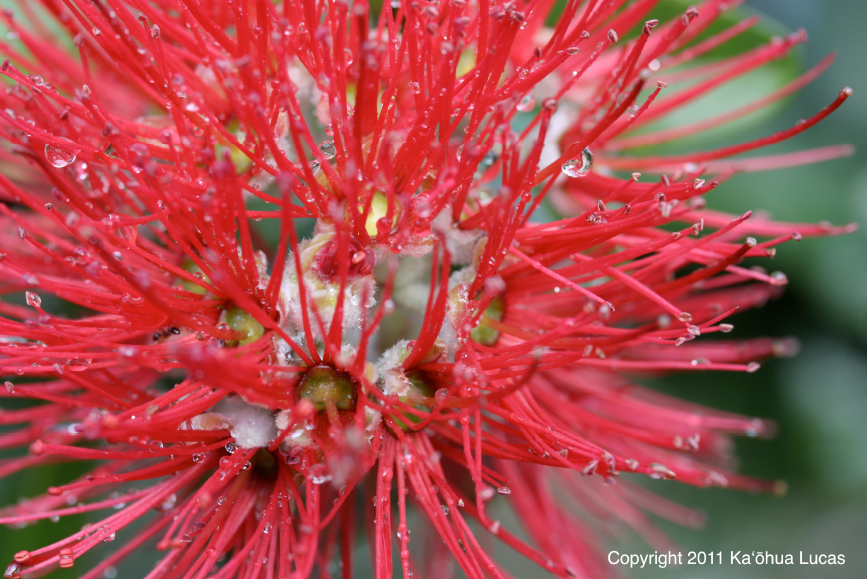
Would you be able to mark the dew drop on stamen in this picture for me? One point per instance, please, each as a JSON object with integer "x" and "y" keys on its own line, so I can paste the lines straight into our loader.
{"x": 13, "y": 571}
{"x": 779, "y": 278}
{"x": 58, "y": 157}
{"x": 660, "y": 471}
{"x": 415, "y": 88}
{"x": 504, "y": 490}
{"x": 314, "y": 168}
{"x": 329, "y": 151}
{"x": 527, "y": 103}
{"x": 79, "y": 363}
{"x": 757, "y": 426}
{"x": 33, "y": 300}
{"x": 579, "y": 167}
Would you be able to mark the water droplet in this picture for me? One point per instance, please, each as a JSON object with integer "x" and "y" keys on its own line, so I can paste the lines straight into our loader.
{"x": 504, "y": 490}
{"x": 527, "y": 103}
{"x": 79, "y": 362}
{"x": 445, "y": 509}
{"x": 33, "y": 300}
{"x": 442, "y": 394}
{"x": 415, "y": 87}
{"x": 329, "y": 151}
{"x": 58, "y": 157}
{"x": 579, "y": 167}
{"x": 13, "y": 571}
{"x": 660, "y": 471}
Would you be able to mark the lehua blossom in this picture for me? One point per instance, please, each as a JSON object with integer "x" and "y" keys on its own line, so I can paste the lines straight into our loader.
{"x": 417, "y": 341}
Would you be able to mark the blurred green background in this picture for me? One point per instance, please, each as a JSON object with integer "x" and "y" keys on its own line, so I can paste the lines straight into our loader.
{"x": 818, "y": 399}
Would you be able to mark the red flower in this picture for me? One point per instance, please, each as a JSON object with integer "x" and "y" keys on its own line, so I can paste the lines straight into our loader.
{"x": 428, "y": 345}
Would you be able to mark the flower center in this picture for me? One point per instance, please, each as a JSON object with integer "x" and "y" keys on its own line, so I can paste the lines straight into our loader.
{"x": 332, "y": 278}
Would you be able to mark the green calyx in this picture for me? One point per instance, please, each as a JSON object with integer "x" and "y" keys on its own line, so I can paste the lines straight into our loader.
{"x": 241, "y": 321}
{"x": 191, "y": 266}
{"x": 323, "y": 385}
{"x": 483, "y": 333}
